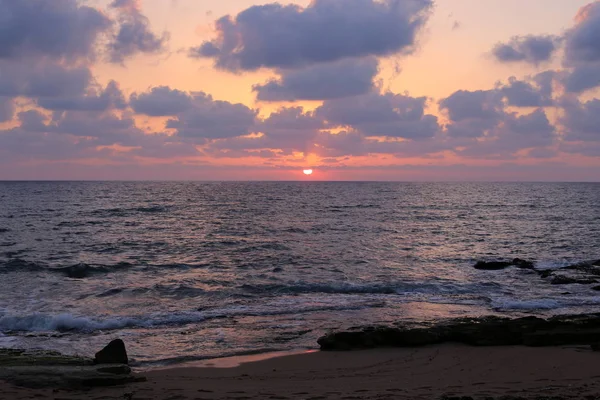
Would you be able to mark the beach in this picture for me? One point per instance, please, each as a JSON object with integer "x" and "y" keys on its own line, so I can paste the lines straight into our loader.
{"x": 407, "y": 373}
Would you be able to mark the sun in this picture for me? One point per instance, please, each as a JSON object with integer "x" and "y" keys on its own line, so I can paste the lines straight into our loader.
{"x": 308, "y": 172}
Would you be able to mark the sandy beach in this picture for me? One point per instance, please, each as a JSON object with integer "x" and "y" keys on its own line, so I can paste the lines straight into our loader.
{"x": 409, "y": 373}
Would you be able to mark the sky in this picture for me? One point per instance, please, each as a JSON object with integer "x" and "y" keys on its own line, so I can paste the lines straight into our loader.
{"x": 408, "y": 90}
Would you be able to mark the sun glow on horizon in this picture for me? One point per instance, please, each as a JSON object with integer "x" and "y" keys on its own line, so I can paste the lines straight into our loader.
{"x": 308, "y": 172}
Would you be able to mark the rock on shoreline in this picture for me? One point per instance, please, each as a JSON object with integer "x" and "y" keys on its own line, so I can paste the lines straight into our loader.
{"x": 584, "y": 273}
{"x": 42, "y": 369}
{"x": 485, "y": 331}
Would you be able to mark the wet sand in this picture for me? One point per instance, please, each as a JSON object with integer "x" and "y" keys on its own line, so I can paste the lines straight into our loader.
{"x": 409, "y": 373}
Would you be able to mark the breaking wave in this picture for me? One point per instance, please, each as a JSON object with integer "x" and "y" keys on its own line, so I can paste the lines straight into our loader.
{"x": 39, "y": 322}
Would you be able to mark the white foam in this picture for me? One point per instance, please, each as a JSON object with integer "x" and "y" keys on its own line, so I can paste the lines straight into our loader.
{"x": 64, "y": 322}
{"x": 39, "y": 322}
{"x": 533, "y": 304}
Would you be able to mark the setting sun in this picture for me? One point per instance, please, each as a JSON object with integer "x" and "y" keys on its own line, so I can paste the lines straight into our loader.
{"x": 308, "y": 172}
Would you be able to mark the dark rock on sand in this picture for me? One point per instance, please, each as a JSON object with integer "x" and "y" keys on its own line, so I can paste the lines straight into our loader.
{"x": 567, "y": 280}
{"x": 43, "y": 369}
{"x": 499, "y": 265}
{"x": 486, "y": 331}
{"x": 113, "y": 353}
{"x": 596, "y": 288}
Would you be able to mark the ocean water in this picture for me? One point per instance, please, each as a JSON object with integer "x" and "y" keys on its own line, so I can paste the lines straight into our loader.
{"x": 188, "y": 271}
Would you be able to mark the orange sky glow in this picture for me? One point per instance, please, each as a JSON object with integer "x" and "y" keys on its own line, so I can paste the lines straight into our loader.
{"x": 471, "y": 94}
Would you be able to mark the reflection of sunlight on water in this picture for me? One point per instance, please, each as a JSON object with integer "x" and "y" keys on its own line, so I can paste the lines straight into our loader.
{"x": 421, "y": 311}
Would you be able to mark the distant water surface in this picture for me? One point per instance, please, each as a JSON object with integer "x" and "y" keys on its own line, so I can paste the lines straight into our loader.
{"x": 186, "y": 271}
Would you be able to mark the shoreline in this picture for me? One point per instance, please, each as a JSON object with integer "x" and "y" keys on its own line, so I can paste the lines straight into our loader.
{"x": 430, "y": 372}
{"x": 483, "y": 358}
{"x": 227, "y": 361}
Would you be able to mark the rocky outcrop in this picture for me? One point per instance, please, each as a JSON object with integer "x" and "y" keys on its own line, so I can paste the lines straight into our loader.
{"x": 113, "y": 353}
{"x": 486, "y": 331}
{"x": 42, "y": 369}
{"x": 499, "y": 265}
{"x": 585, "y": 273}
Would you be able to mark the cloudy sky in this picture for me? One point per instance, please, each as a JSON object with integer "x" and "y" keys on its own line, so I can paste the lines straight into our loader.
{"x": 355, "y": 89}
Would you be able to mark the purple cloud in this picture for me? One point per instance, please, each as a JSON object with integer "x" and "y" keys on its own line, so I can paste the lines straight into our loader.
{"x": 386, "y": 114}
{"x": 535, "y": 93}
{"x": 351, "y": 77}
{"x": 134, "y": 34}
{"x": 277, "y": 36}
{"x": 481, "y": 104}
{"x": 7, "y": 109}
{"x": 110, "y": 97}
{"x": 161, "y": 101}
{"x": 213, "y": 119}
{"x": 529, "y": 49}
{"x": 60, "y": 29}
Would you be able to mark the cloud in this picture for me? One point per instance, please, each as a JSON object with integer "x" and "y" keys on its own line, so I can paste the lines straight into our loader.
{"x": 161, "y": 101}
{"x": 583, "y": 40}
{"x": 582, "y": 51}
{"x": 512, "y": 134}
{"x": 42, "y": 78}
{"x": 481, "y": 104}
{"x": 582, "y": 78}
{"x": 134, "y": 34}
{"x": 480, "y": 126}
{"x": 110, "y": 97}
{"x": 60, "y": 29}
{"x": 7, "y": 109}
{"x": 377, "y": 114}
{"x": 535, "y": 93}
{"x": 213, "y": 119}
{"x": 529, "y": 49}
{"x": 339, "y": 79}
{"x": 581, "y": 120}
{"x": 278, "y": 36}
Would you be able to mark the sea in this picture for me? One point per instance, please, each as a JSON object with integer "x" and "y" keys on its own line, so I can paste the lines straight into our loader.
{"x": 188, "y": 271}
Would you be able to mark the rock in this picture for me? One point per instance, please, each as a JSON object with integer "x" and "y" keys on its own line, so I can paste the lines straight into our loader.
{"x": 588, "y": 268}
{"x": 47, "y": 369}
{"x": 78, "y": 271}
{"x": 17, "y": 357}
{"x": 499, "y": 265}
{"x": 486, "y": 331}
{"x": 566, "y": 280}
{"x": 492, "y": 265}
{"x": 113, "y": 353}
{"x": 596, "y": 288}
{"x": 546, "y": 273}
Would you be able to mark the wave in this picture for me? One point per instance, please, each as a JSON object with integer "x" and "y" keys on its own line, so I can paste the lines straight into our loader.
{"x": 78, "y": 271}
{"x": 120, "y": 212}
{"x": 524, "y": 305}
{"x": 39, "y": 322}
{"x": 396, "y": 288}
{"x": 504, "y": 304}
{"x": 18, "y": 264}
